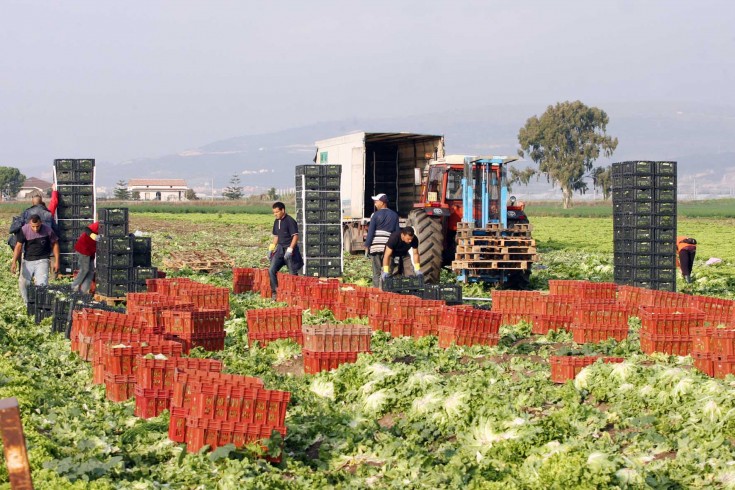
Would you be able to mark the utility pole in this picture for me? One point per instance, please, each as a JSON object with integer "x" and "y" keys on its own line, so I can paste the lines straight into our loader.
{"x": 213, "y": 189}
{"x": 695, "y": 188}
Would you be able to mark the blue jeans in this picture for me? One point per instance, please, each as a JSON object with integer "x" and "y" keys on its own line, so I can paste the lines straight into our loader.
{"x": 30, "y": 270}
{"x": 85, "y": 274}
{"x": 294, "y": 263}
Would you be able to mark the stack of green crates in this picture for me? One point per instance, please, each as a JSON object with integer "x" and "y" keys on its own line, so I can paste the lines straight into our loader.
{"x": 644, "y": 224}
{"x": 75, "y": 185}
{"x": 319, "y": 215}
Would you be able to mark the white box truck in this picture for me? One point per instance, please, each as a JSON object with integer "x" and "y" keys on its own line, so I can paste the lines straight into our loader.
{"x": 374, "y": 163}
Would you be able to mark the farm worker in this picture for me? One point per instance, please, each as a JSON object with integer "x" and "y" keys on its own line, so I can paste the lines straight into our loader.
{"x": 40, "y": 241}
{"x": 38, "y": 207}
{"x": 284, "y": 250}
{"x": 396, "y": 253}
{"x": 383, "y": 222}
{"x": 686, "y": 249}
{"x": 84, "y": 249}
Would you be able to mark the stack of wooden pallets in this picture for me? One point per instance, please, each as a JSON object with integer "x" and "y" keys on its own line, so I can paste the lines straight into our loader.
{"x": 488, "y": 250}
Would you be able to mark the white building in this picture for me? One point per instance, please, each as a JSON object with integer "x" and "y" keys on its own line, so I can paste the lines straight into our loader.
{"x": 34, "y": 184}
{"x": 159, "y": 189}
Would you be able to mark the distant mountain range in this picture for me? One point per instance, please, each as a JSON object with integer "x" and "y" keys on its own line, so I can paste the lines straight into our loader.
{"x": 701, "y": 139}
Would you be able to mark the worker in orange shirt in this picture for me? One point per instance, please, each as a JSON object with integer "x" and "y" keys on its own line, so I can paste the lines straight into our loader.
{"x": 686, "y": 249}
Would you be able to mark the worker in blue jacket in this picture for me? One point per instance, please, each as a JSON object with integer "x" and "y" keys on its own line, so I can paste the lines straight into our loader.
{"x": 383, "y": 222}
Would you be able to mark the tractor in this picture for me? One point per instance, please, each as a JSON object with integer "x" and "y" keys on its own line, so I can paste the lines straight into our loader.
{"x": 462, "y": 189}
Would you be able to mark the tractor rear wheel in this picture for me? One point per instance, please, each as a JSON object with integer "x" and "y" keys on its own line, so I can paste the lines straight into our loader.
{"x": 431, "y": 243}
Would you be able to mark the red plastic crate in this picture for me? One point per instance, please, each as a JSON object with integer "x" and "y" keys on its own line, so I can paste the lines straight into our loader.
{"x": 664, "y": 299}
{"x": 337, "y": 338}
{"x": 471, "y": 319}
{"x": 702, "y": 339}
{"x": 424, "y": 330}
{"x": 158, "y": 374}
{"x": 405, "y": 307}
{"x": 200, "y": 433}
{"x": 188, "y": 383}
{"x": 151, "y": 403}
{"x": 209, "y": 342}
{"x": 401, "y": 327}
{"x": 449, "y": 336}
{"x": 188, "y": 323}
{"x": 723, "y": 365}
{"x": 716, "y": 310}
{"x": 674, "y": 321}
{"x": 123, "y": 360}
{"x": 676, "y": 345}
{"x": 379, "y": 322}
{"x": 543, "y": 324}
{"x": 514, "y": 302}
{"x": 603, "y": 315}
{"x": 177, "y": 424}
{"x": 564, "y": 368}
{"x": 722, "y": 342}
{"x": 256, "y": 405}
{"x": 380, "y": 303}
{"x": 119, "y": 388}
{"x": 557, "y": 305}
{"x": 704, "y": 363}
{"x": 315, "y": 362}
{"x": 285, "y": 319}
{"x": 243, "y": 279}
{"x": 583, "y": 334}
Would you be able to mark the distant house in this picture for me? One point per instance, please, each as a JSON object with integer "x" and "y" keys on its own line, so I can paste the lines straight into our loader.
{"x": 159, "y": 189}
{"x": 34, "y": 184}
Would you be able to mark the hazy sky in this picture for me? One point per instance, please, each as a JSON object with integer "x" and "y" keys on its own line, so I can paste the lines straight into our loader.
{"x": 119, "y": 80}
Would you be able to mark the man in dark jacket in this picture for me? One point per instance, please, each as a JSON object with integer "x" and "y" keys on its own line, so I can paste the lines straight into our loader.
{"x": 38, "y": 207}
{"x": 284, "y": 250}
{"x": 36, "y": 242}
{"x": 383, "y": 222}
{"x": 397, "y": 259}
{"x": 84, "y": 249}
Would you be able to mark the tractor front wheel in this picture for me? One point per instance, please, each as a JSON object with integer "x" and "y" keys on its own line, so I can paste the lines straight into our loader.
{"x": 431, "y": 243}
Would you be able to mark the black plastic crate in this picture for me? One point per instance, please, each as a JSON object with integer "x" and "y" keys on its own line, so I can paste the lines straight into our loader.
{"x": 323, "y": 216}
{"x": 60, "y": 312}
{"x": 665, "y": 234}
{"x": 644, "y": 260}
{"x": 138, "y": 287}
{"x": 42, "y": 313}
{"x": 665, "y": 168}
{"x": 113, "y": 275}
{"x": 318, "y": 182}
{"x": 62, "y": 164}
{"x": 71, "y": 189}
{"x": 323, "y": 267}
{"x": 113, "y": 216}
{"x": 76, "y": 199}
{"x": 321, "y": 195}
{"x": 644, "y": 220}
{"x": 322, "y": 250}
{"x": 633, "y": 234}
{"x": 115, "y": 260}
{"x": 141, "y": 274}
{"x": 321, "y": 204}
{"x": 450, "y": 293}
{"x": 84, "y": 164}
{"x": 75, "y": 212}
{"x": 331, "y": 170}
{"x": 113, "y": 229}
{"x": 107, "y": 244}
{"x": 310, "y": 170}
{"x": 665, "y": 181}
{"x": 665, "y": 195}
{"x": 67, "y": 263}
{"x": 142, "y": 249}
{"x": 392, "y": 283}
{"x": 634, "y": 181}
{"x": 633, "y": 247}
{"x": 66, "y": 246}
{"x": 113, "y": 290}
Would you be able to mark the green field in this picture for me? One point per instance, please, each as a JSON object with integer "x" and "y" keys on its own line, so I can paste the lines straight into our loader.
{"x": 410, "y": 415}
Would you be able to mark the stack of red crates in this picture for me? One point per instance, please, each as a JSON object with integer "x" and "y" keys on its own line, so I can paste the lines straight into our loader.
{"x": 150, "y": 306}
{"x": 630, "y": 297}
{"x": 564, "y": 368}
{"x": 668, "y": 329}
{"x": 584, "y": 290}
{"x": 515, "y": 306}
{"x": 216, "y": 410}
{"x": 317, "y": 293}
{"x": 203, "y": 328}
{"x": 328, "y": 346}
{"x": 402, "y": 315}
{"x": 262, "y": 283}
{"x": 717, "y": 311}
{"x": 427, "y": 319}
{"x": 664, "y": 299}
{"x": 268, "y": 324}
{"x": 379, "y": 314}
{"x": 87, "y": 322}
{"x": 597, "y": 322}
{"x": 722, "y": 344}
{"x": 468, "y": 326}
{"x": 288, "y": 289}
{"x": 702, "y": 349}
{"x": 352, "y": 302}
{"x": 154, "y": 381}
{"x": 243, "y": 280}
{"x": 552, "y": 312}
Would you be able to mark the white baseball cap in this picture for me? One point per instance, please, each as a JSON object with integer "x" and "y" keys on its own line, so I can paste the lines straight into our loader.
{"x": 381, "y": 197}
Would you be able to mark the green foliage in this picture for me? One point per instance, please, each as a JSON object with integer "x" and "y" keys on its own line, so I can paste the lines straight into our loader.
{"x": 565, "y": 141}
{"x": 602, "y": 179}
{"x": 11, "y": 180}
{"x": 191, "y": 195}
{"x": 234, "y": 191}
{"x": 121, "y": 190}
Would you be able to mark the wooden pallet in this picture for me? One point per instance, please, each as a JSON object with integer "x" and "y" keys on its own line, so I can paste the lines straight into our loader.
{"x": 109, "y": 300}
{"x": 484, "y": 256}
{"x": 496, "y": 241}
{"x": 520, "y": 249}
{"x": 209, "y": 261}
{"x": 492, "y": 265}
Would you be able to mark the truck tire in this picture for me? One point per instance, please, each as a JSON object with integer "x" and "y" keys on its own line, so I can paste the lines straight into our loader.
{"x": 431, "y": 243}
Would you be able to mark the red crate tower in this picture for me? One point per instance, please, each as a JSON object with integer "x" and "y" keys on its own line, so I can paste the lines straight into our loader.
{"x": 328, "y": 346}
{"x": 269, "y": 324}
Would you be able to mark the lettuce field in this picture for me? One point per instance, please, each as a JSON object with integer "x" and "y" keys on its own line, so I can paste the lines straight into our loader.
{"x": 410, "y": 415}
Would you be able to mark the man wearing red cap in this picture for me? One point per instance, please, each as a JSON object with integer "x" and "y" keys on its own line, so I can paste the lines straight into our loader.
{"x": 383, "y": 222}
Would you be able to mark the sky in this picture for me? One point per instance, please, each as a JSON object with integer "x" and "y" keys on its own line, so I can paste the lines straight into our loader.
{"x": 121, "y": 80}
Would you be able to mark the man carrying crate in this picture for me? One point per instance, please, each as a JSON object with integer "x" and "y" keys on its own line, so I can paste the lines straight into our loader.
{"x": 397, "y": 259}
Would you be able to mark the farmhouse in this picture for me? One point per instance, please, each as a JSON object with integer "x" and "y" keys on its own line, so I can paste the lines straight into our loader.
{"x": 34, "y": 184}
{"x": 159, "y": 189}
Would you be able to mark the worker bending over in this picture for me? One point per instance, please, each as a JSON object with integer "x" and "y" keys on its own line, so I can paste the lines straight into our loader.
{"x": 397, "y": 260}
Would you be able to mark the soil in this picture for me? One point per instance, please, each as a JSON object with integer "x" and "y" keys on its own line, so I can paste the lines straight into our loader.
{"x": 405, "y": 359}
{"x": 312, "y": 452}
{"x": 293, "y": 367}
{"x": 389, "y": 420}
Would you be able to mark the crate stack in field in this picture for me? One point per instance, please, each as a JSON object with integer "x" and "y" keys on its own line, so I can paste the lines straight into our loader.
{"x": 74, "y": 180}
{"x": 319, "y": 216}
{"x": 218, "y": 409}
{"x": 515, "y": 306}
{"x": 484, "y": 253}
{"x": 669, "y": 329}
{"x": 243, "y": 279}
{"x": 269, "y": 324}
{"x": 644, "y": 224}
{"x": 468, "y": 326}
{"x": 326, "y": 347}
{"x": 123, "y": 260}
{"x": 564, "y": 368}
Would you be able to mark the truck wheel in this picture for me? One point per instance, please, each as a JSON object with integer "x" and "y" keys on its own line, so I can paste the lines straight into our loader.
{"x": 431, "y": 243}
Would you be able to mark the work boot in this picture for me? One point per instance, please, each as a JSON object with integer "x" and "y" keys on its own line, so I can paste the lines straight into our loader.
{"x": 688, "y": 279}
{"x": 273, "y": 297}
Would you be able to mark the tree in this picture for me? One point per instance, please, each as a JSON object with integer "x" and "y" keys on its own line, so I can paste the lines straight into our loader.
{"x": 11, "y": 180}
{"x": 272, "y": 196}
{"x": 234, "y": 191}
{"x": 191, "y": 195}
{"x": 135, "y": 195}
{"x": 602, "y": 179}
{"x": 121, "y": 191}
{"x": 564, "y": 142}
